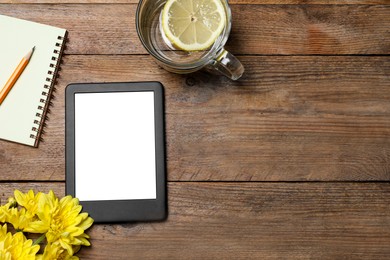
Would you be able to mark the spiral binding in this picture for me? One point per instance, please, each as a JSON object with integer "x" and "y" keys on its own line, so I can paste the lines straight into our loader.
{"x": 48, "y": 89}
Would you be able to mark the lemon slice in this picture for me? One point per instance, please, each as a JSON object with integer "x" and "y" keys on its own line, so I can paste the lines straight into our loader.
{"x": 193, "y": 25}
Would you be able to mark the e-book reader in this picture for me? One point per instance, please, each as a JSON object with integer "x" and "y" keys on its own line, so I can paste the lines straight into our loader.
{"x": 115, "y": 150}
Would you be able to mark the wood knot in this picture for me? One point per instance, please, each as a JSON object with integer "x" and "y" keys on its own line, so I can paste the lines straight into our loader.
{"x": 190, "y": 81}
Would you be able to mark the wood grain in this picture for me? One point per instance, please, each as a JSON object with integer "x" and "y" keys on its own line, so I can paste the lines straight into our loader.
{"x": 251, "y": 221}
{"x": 273, "y": 166}
{"x": 257, "y": 221}
{"x": 287, "y": 119}
{"x": 257, "y": 29}
{"x": 7, "y": 189}
{"x": 252, "y": 2}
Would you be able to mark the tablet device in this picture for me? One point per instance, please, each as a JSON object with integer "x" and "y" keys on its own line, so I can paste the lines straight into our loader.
{"x": 115, "y": 150}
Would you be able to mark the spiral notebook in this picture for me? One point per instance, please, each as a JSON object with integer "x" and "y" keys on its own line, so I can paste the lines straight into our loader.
{"x": 23, "y": 112}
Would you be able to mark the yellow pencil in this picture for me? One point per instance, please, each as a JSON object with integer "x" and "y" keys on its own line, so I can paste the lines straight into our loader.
{"x": 15, "y": 75}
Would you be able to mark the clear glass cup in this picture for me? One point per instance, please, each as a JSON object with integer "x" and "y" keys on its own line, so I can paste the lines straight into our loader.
{"x": 149, "y": 29}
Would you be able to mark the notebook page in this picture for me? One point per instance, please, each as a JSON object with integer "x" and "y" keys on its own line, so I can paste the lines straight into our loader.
{"x": 18, "y": 110}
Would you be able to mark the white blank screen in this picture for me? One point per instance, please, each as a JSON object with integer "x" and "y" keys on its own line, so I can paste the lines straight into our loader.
{"x": 115, "y": 146}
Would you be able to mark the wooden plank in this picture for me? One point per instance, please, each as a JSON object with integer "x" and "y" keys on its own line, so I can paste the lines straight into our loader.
{"x": 252, "y": 2}
{"x": 252, "y": 221}
{"x": 257, "y": 29}
{"x": 7, "y": 189}
{"x": 257, "y": 221}
{"x": 287, "y": 119}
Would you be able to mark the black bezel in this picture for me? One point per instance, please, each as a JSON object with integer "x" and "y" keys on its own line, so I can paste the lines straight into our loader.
{"x": 119, "y": 210}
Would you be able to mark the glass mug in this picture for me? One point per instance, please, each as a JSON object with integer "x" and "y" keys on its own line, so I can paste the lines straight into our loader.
{"x": 149, "y": 29}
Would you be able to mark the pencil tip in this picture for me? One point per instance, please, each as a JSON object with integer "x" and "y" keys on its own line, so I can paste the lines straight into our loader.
{"x": 28, "y": 55}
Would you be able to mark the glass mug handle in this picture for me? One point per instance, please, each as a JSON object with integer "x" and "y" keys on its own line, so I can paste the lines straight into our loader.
{"x": 228, "y": 65}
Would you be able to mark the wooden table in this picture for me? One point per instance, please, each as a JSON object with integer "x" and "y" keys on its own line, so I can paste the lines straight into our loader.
{"x": 291, "y": 161}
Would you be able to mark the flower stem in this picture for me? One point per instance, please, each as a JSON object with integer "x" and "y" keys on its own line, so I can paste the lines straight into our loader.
{"x": 39, "y": 240}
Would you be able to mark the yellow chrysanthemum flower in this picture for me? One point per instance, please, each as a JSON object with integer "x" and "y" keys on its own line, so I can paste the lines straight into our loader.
{"x": 3, "y": 231}
{"x": 3, "y": 214}
{"x": 55, "y": 252}
{"x": 4, "y": 210}
{"x": 61, "y": 221}
{"x": 12, "y": 203}
{"x": 28, "y": 200}
{"x": 19, "y": 218}
{"x": 16, "y": 246}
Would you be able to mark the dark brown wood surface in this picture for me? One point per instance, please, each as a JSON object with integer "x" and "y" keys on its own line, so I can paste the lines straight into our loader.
{"x": 257, "y": 29}
{"x": 252, "y": 2}
{"x": 291, "y": 161}
{"x": 252, "y": 220}
{"x": 317, "y": 118}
